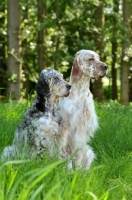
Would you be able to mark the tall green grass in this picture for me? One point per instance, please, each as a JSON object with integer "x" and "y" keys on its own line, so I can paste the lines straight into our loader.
{"x": 110, "y": 176}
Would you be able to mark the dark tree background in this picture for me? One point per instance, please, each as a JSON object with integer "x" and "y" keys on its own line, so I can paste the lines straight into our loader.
{"x": 48, "y": 33}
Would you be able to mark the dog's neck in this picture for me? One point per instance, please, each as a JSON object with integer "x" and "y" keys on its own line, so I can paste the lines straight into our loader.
{"x": 80, "y": 85}
{"x": 51, "y": 102}
{"x": 52, "y": 108}
{"x": 46, "y": 104}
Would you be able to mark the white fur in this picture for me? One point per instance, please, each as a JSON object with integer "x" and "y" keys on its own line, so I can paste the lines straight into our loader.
{"x": 78, "y": 111}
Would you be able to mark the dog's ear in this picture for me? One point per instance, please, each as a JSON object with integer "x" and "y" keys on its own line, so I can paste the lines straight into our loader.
{"x": 76, "y": 72}
{"x": 41, "y": 103}
{"x": 42, "y": 87}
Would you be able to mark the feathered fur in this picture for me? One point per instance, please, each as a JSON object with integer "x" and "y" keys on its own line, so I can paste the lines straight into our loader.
{"x": 39, "y": 129}
{"x": 78, "y": 111}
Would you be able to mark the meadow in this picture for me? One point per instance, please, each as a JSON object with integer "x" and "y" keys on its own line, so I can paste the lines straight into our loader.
{"x": 109, "y": 177}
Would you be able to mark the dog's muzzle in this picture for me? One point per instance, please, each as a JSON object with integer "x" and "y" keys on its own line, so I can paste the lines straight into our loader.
{"x": 68, "y": 86}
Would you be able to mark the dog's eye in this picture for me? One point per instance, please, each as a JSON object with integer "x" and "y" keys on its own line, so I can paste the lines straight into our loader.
{"x": 91, "y": 59}
{"x": 56, "y": 78}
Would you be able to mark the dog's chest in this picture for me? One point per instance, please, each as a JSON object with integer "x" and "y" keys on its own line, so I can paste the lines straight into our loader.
{"x": 80, "y": 116}
{"x": 79, "y": 108}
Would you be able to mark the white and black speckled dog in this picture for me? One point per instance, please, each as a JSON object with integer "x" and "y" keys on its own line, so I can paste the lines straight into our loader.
{"x": 39, "y": 127}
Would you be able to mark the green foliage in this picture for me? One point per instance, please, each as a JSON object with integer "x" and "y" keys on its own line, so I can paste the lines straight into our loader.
{"x": 68, "y": 26}
{"x": 109, "y": 178}
{"x": 10, "y": 113}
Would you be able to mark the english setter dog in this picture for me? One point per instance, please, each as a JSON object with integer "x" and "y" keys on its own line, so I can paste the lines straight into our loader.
{"x": 39, "y": 128}
{"x": 78, "y": 111}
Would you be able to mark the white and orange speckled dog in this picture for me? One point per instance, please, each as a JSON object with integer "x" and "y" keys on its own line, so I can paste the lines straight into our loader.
{"x": 78, "y": 111}
{"x": 38, "y": 132}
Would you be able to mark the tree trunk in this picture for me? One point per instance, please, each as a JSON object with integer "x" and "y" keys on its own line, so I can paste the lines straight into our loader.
{"x": 125, "y": 64}
{"x": 130, "y": 72}
{"x": 41, "y": 36}
{"x": 25, "y": 53}
{"x": 130, "y": 85}
{"x": 58, "y": 36}
{"x": 99, "y": 15}
{"x": 114, "y": 51}
{"x": 3, "y": 67}
{"x": 14, "y": 65}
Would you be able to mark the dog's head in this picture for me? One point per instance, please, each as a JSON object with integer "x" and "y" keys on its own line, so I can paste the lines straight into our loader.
{"x": 52, "y": 82}
{"x": 88, "y": 62}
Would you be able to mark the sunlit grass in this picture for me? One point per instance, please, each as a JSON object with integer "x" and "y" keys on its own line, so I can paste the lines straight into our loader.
{"x": 110, "y": 176}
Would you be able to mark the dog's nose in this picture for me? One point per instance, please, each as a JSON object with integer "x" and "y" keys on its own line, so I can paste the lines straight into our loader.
{"x": 68, "y": 86}
{"x": 105, "y": 66}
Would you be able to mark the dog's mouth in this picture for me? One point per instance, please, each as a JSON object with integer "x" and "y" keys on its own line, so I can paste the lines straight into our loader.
{"x": 102, "y": 76}
{"x": 96, "y": 78}
{"x": 66, "y": 95}
{"x": 92, "y": 79}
